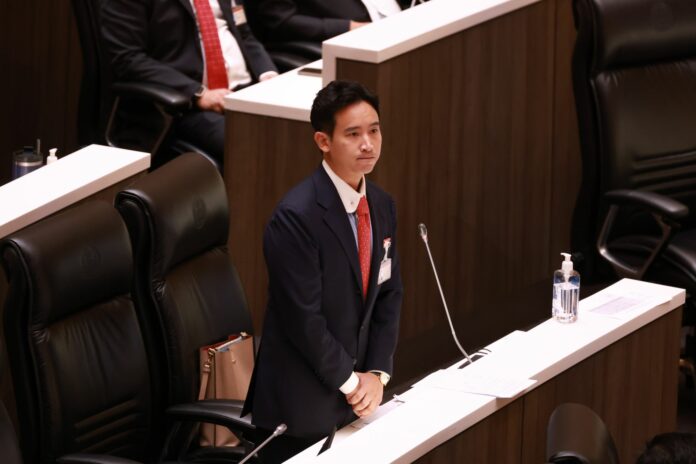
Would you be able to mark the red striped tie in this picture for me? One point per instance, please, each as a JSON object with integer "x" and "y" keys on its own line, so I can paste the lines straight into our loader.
{"x": 364, "y": 242}
{"x": 214, "y": 61}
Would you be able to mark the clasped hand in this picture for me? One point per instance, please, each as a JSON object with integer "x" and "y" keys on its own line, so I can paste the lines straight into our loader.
{"x": 367, "y": 396}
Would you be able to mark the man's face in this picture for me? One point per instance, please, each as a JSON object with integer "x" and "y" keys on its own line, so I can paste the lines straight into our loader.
{"x": 354, "y": 147}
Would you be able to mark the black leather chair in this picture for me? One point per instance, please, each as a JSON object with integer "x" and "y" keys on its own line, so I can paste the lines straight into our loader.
{"x": 9, "y": 447}
{"x": 81, "y": 375}
{"x": 185, "y": 286}
{"x": 293, "y": 54}
{"x": 100, "y": 115}
{"x": 577, "y": 435}
{"x": 8, "y": 440}
{"x": 79, "y": 370}
{"x": 634, "y": 78}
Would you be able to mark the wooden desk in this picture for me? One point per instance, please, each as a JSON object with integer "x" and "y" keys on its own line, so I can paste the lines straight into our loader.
{"x": 480, "y": 144}
{"x": 624, "y": 368}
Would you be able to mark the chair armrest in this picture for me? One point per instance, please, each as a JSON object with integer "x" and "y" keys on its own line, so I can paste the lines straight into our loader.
{"x": 221, "y": 412}
{"x": 293, "y": 54}
{"x": 168, "y": 102}
{"x": 651, "y": 201}
{"x": 172, "y": 100}
{"x": 666, "y": 211}
{"x": 84, "y": 458}
{"x": 186, "y": 416}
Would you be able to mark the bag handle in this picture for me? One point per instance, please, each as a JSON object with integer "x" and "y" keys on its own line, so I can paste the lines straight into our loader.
{"x": 206, "y": 373}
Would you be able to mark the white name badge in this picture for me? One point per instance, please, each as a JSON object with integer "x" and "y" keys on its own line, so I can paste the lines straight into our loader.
{"x": 239, "y": 15}
{"x": 384, "y": 271}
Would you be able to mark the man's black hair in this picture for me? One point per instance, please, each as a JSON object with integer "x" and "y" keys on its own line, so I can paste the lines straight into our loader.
{"x": 333, "y": 98}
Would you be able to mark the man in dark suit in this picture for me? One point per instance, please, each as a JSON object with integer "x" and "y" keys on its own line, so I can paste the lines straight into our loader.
{"x": 161, "y": 42}
{"x": 335, "y": 290}
{"x": 315, "y": 20}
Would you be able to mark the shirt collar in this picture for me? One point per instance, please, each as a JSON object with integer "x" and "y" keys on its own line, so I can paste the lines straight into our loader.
{"x": 349, "y": 197}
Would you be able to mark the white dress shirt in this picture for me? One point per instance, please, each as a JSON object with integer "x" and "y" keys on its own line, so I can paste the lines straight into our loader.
{"x": 237, "y": 73}
{"x": 379, "y": 9}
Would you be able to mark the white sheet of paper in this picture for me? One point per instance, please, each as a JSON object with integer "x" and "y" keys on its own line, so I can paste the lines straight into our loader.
{"x": 479, "y": 383}
{"x": 382, "y": 411}
{"x": 621, "y": 305}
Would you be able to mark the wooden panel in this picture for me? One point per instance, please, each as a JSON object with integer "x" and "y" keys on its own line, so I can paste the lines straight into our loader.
{"x": 270, "y": 156}
{"x": 467, "y": 150}
{"x": 567, "y": 166}
{"x": 632, "y": 385}
{"x": 42, "y": 66}
{"x": 498, "y": 438}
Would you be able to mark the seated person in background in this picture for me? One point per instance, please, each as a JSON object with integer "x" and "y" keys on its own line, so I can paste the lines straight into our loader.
{"x": 202, "y": 48}
{"x": 670, "y": 448}
{"x": 316, "y": 20}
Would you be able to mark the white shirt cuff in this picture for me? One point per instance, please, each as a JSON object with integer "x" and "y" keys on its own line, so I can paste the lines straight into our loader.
{"x": 268, "y": 75}
{"x": 350, "y": 384}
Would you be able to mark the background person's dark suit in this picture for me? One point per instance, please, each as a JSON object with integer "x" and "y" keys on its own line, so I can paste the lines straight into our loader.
{"x": 157, "y": 41}
{"x": 317, "y": 329}
{"x": 312, "y": 20}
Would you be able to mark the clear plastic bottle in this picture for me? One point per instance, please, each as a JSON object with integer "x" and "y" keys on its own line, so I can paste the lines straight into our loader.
{"x": 566, "y": 292}
{"x": 52, "y": 158}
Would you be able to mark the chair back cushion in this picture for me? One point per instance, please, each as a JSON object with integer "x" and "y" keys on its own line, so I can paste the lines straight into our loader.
{"x": 634, "y": 77}
{"x": 185, "y": 282}
{"x": 577, "y": 434}
{"x": 78, "y": 362}
{"x": 8, "y": 439}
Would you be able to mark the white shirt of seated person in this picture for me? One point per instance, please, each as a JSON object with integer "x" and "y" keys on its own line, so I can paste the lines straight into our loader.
{"x": 237, "y": 72}
{"x": 379, "y": 9}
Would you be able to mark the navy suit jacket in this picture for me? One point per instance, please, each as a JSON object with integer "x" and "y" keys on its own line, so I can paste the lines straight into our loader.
{"x": 157, "y": 41}
{"x": 318, "y": 329}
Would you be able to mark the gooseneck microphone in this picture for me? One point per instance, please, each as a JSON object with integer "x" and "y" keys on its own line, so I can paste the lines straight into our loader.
{"x": 278, "y": 431}
{"x": 424, "y": 235}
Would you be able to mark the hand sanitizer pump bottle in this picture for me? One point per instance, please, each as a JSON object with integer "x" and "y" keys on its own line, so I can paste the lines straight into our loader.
{"x": 566, "y": 292}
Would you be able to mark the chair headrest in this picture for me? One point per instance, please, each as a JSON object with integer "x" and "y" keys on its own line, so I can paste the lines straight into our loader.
{"x": 71, "y": 261}
{"x": 631, "y": 32}
{"x": 186, "y": 202}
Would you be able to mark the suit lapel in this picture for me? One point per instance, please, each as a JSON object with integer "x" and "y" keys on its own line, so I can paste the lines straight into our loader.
{"x": 226, "y": 8}
{"x": 336, "y": 218}
{"x": 187, "y": 6}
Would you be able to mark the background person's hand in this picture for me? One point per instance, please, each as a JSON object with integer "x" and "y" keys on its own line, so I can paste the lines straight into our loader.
{"x": 213, "y": 100}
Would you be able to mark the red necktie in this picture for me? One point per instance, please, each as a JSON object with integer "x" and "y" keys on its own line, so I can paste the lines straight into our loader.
{"x": 214, "y": 61}
{"x": 364, "y": 242}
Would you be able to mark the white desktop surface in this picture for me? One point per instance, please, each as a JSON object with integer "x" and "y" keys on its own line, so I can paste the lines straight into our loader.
{"x": 431, "y": 416}
{"x": 289, "y": 96}
{"x": 70, "y": 179}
